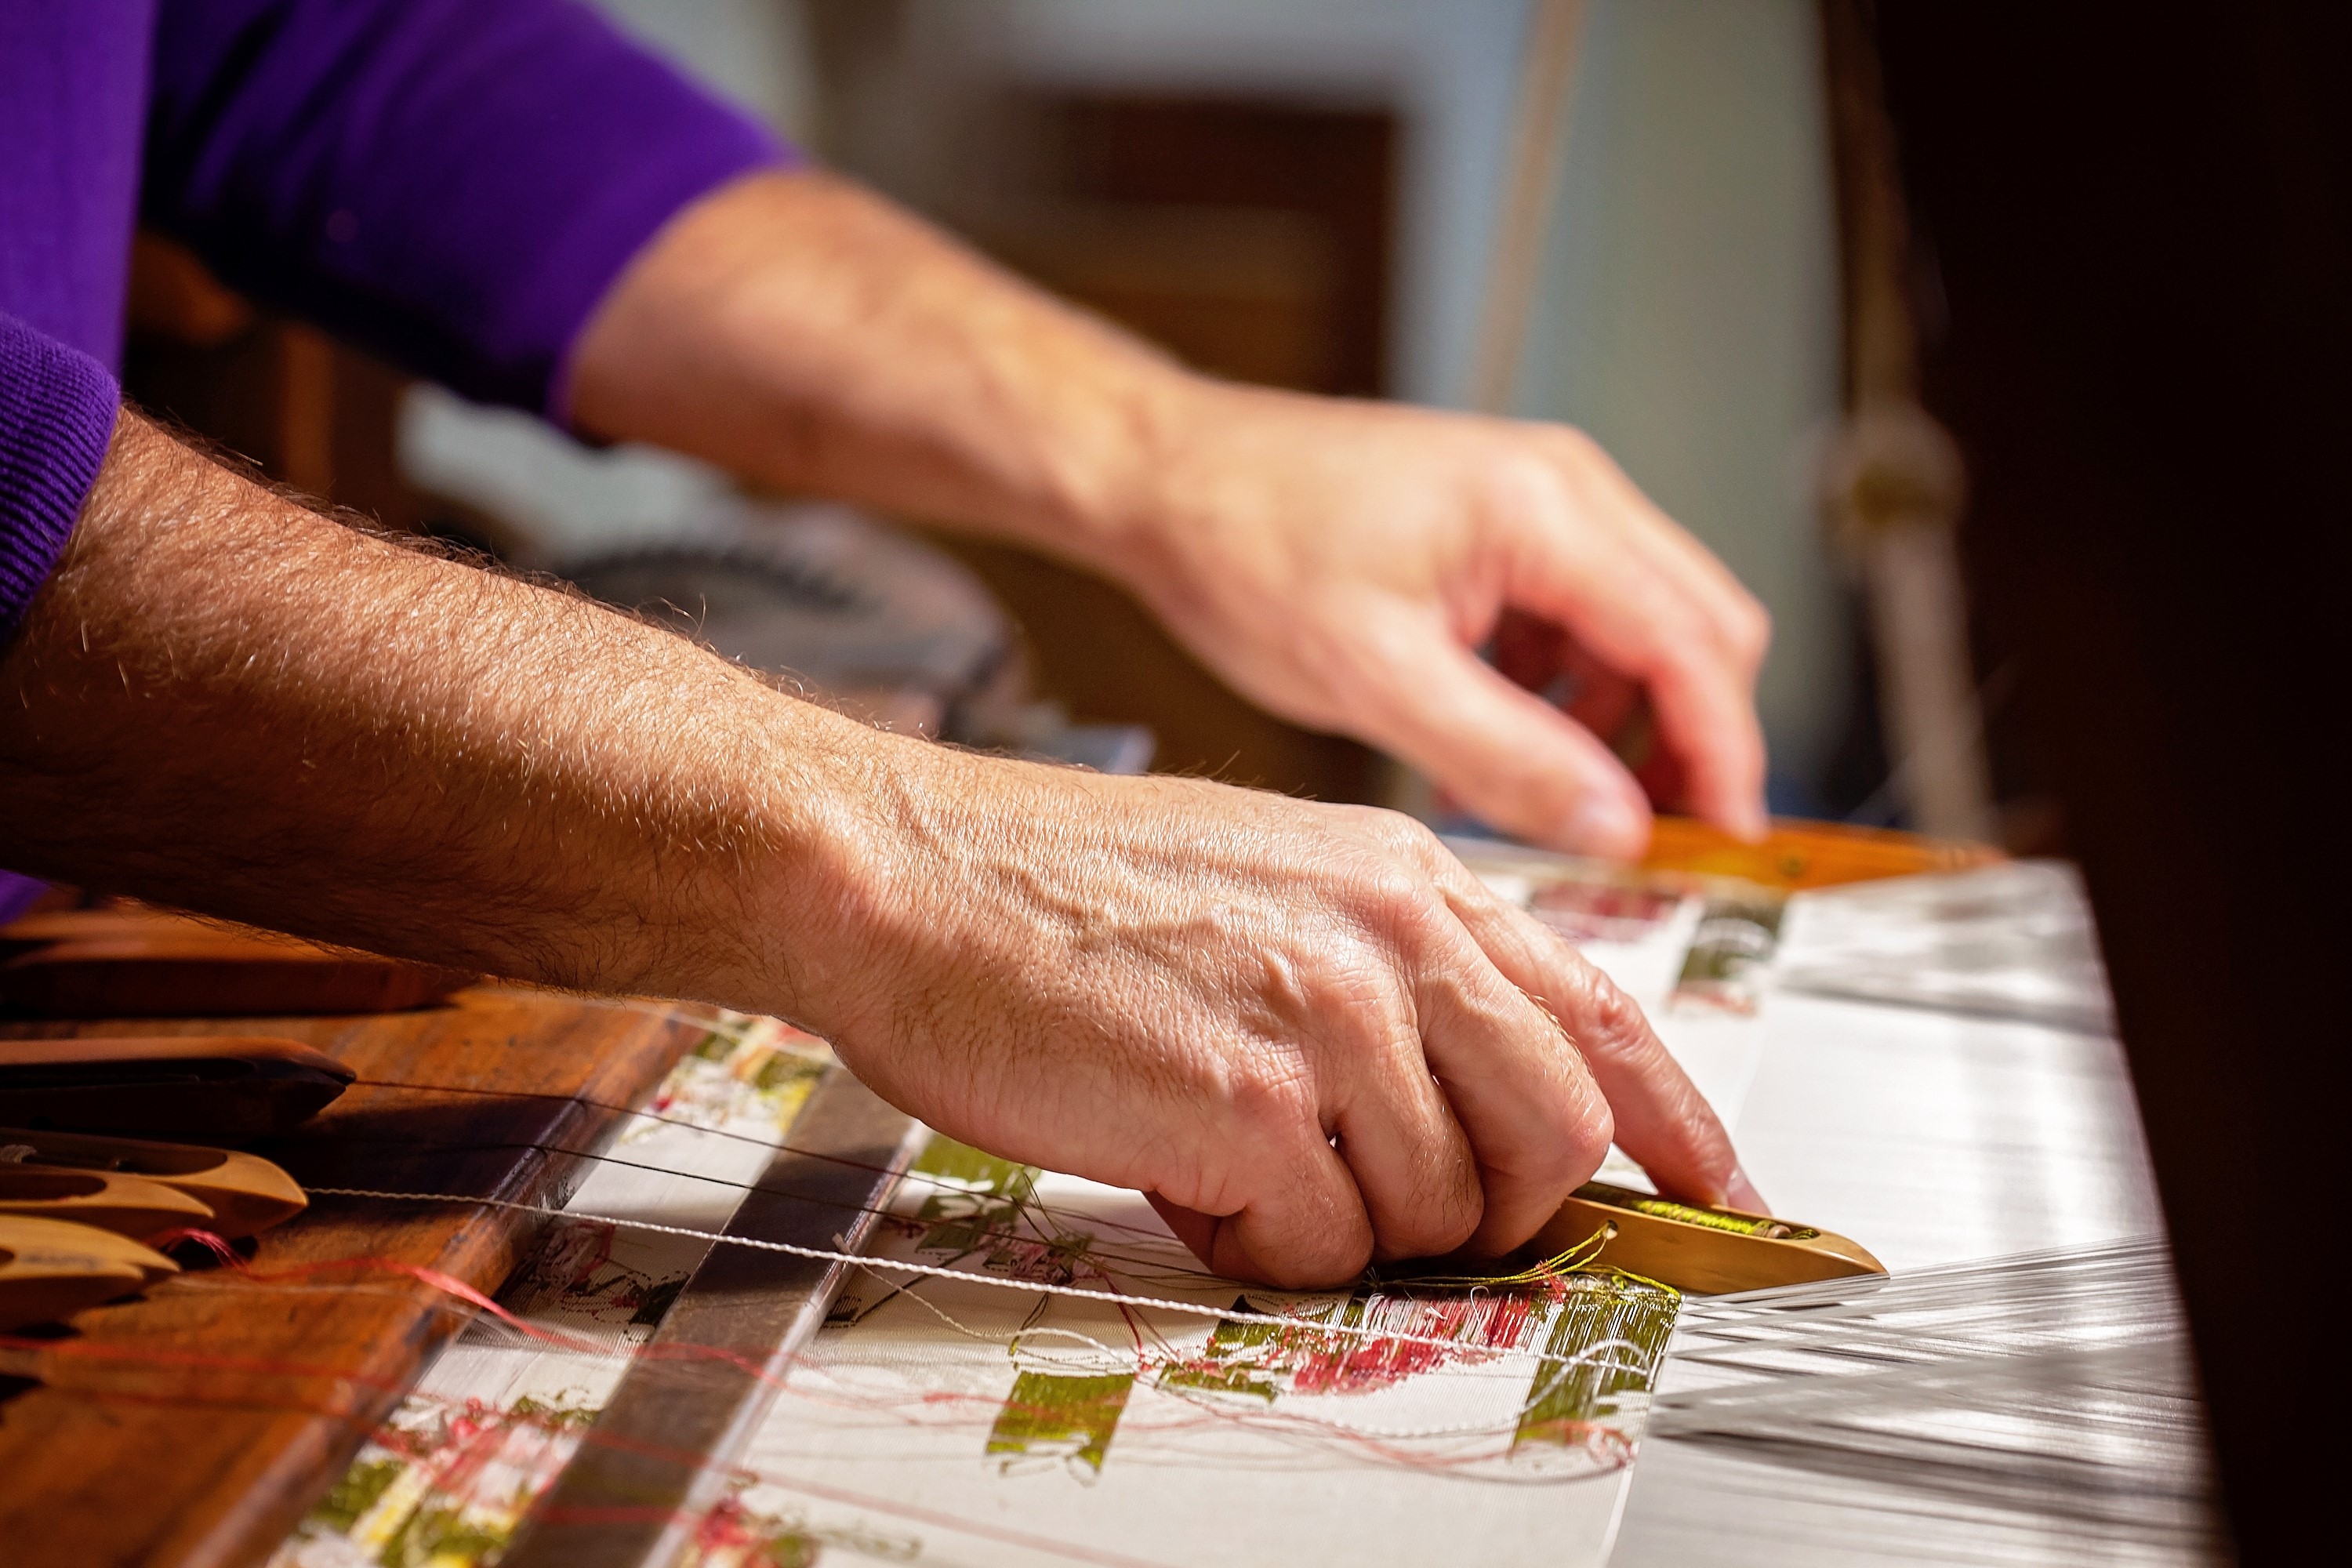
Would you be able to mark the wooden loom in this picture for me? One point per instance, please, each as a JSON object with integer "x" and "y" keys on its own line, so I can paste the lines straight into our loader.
{"x": 218, "y": 1473}
{"x": 267, "y": 1405}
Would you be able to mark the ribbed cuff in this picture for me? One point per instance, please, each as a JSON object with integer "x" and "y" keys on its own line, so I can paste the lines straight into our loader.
{"x": 57, "y": 416}
{"x": 18, "y": 894}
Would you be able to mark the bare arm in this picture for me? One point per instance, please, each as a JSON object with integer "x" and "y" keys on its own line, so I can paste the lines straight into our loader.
{"x": 1305, "y": 1029}
{"x": 1336, "y": 562}
{"x": 227, "y": 701}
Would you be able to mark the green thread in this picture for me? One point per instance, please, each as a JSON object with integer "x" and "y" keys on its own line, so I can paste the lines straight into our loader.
{"x": 1050, "y": 1414}
{"x": 362, "y": 1486}
{"x": 1608, "y": 1334}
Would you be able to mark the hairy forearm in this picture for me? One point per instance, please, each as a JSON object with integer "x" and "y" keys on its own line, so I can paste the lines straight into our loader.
{"x": 226, "y": 701}
{"x": 1306, "y": 1029}
{"x": 806, "y": 334}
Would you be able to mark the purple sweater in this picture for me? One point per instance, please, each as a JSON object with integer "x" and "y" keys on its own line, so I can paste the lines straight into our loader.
{"x": 452, "y": 182}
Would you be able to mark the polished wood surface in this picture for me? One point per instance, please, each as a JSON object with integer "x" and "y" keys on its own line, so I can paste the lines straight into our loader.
{"x": 134, "y": 961}
{"x": 210, "y": 974}
{"x": 193, "y": 1426}
{"x": 232, "y": 1087}
{"x": 128, "y": 1206}
{"x": 245, "y": 1194}
{"x": 49, "y": 1267}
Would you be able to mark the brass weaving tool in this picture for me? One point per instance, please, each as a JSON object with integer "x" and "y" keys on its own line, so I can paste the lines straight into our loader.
{"x": 1708, "y": 1251}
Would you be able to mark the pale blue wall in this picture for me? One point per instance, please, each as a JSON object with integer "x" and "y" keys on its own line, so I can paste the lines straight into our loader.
{"x": 1688, "y": 313}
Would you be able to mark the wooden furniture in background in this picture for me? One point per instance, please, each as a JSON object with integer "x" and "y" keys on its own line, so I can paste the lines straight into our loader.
{"x": 307, "y": 411}
{"x": 1253, "y": 240}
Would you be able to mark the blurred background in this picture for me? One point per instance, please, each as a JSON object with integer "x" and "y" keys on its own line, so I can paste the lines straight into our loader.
{"x": 1660, "y": 221}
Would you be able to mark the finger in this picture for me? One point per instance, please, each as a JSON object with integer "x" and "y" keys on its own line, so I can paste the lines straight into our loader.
{"x": 1196, "y": 1230}
{"x": 1511, "y": 757}
{"x": 1535, "y": 1121}
{"x": 1303, "y": 1226}
{"x": 1712, "y": 729}
{"x": 1744, "y": 1196}
{"x": 1614, "y": 572}
{"x": 1411, "y": 1159}
{"x": 1538, "y": 1122}
{"x": 1663, "y": 1121}
{"x": 1740, "y": 625}
{"x": 1541, "y": 657}
{"x": 1660, "y": 1117}
{"x": 1739, "y": 622}
{"x": 1648, "y": 632}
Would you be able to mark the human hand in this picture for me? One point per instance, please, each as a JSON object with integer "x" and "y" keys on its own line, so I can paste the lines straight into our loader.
{"x": 1307, "y": 1031}
{"x": 1340, "y": 563}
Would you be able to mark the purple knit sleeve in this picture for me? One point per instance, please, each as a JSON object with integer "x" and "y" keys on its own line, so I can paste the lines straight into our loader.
{"x": 454, "y": 184}
{"x": 57, "y": 416}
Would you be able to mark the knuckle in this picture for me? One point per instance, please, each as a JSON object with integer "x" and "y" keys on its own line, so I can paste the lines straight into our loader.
{"x": 1342, "y": 1258}
{"x": 1752, "y": 632}
{"x": 1524, "y": 478}
{"x": 1440, "y": 1216}
{"x": 1586, "y": 1150}
{"x": 1345, "y": 980}
{"x": 1271, "y": 1093}
{"x": 1583, "y": 1128}
{"x": 1407, "y": 838}
{"x": 1400, "y": 901}
{"x": 1578, "y": 1116}
{"x": 1609, "y": 1023}
{"x": 1573, "y": 444}
{"x": 1686, "y": 656}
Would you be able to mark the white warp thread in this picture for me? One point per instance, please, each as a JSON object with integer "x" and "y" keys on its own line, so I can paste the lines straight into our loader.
{"x": 826, "y": 1255}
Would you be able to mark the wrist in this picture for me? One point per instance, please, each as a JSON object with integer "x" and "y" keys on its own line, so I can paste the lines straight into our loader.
{"x": 800, "y": 917}
{"x": 1103, "y": 496}
{"x": 1191, "y": 509}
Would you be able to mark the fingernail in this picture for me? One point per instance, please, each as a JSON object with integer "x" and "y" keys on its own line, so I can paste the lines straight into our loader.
{"x": 1602, "y": 824}
{"x": 1740, "y": 1194}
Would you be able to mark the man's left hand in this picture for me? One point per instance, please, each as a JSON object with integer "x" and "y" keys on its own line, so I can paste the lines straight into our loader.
{"x": 1342, "y": 563}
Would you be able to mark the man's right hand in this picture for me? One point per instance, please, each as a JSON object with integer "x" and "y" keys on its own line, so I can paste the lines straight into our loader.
{"x": 1307, "y": 1030}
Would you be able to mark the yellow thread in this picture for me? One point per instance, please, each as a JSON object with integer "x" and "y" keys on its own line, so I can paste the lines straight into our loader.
{"x": 1689, "y": 1213}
